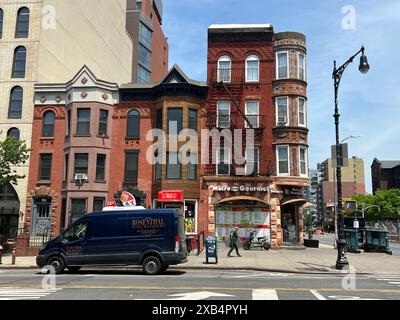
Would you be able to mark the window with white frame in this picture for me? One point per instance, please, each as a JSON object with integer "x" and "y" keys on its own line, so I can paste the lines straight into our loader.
{"x": 303, "y": 161}
{"x": 223, "y": 162}
{"x": 252, "y": 113}
{"x": 301, "y": 62}
{"x": 282, "y": 111}
{"x": 282, "y": 65}
{"x": 302, "y": 116}
{"x": 252, "y": 161}
{"x": 282, "y": 156}
{"x": 224, "y": 69}
{"x": 252, "y": 69}
{"x": 223, "y": 114}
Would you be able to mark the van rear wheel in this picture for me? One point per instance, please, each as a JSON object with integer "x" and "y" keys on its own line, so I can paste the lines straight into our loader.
{"x": 152, "y": 265}
{"x": 57, "y": 263}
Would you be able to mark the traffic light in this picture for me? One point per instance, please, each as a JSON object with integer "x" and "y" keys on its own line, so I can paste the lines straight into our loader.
{"x": 349, "y": 205}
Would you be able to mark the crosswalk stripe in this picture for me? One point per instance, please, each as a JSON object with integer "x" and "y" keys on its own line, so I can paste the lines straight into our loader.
{"x": 9, "y": 293}
{"x": 394, "y": 282}
{"x": 317, "y": 295}
{"x": 259, "y": 294}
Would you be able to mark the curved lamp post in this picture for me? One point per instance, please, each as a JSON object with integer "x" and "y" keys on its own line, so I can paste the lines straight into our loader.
{"x": 337, "y": 76}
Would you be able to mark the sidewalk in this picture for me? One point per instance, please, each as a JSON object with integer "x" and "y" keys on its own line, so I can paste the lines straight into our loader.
{"x": 310, "y": 260}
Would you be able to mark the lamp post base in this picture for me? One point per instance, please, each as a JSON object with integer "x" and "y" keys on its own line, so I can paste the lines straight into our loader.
{"x": 341, "y": 261}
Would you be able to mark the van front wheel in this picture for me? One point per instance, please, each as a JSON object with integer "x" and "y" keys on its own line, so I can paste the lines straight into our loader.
{"x": 152, "y": 265}
{"x": 57, "y": 263}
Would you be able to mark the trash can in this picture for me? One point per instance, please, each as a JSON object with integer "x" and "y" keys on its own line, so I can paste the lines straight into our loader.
{"x": 377, "y": 241}
{"x": 352, "y": 240}
{"x": 211, "y": 249}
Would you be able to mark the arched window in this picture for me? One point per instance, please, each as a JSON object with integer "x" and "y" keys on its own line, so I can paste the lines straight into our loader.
{"x": 252, "y": 69}
{"x": 22, "y": 28}
{"x": 13, "y": 132}
{"x": 19, "y": 63}
{"x": 15, "y": 107}
{"x": 1, "y": 22}
{"x": 224, "y": 69}
{"x": 133, "y": 128}
{"x": 48, "y": 124}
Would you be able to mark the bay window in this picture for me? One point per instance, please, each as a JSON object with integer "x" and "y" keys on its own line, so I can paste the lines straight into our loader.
{"x": 283, "y": 164}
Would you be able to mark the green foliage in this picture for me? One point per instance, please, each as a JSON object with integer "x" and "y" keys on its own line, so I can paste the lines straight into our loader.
{"x": 13, "y": 153}
{"x": 388, "y": 200}
{"x": 308, "y": 222}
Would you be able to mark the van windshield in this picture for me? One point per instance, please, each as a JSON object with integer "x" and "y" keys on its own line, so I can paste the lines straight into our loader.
{"x": 75, "y": 233}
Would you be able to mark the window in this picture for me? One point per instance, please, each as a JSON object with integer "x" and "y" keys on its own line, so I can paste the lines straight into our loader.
{"x": 283, "y": 160}
{"x": 175, "y": 118}
{"x": 145, "y": 35}
{"x": 252, "y": 113}
{"x": 22, "y": 29}
{"x": 301, "y": 62}
{"x": 282, "y": 65}
{"x": 302, "y": 112}
{"x": 100, "y": 167}
{"x": 193, "y": 119}
{"x": 192, "y": 167}
{"x": 19, "y": 63}
{"x": 15, "y": 108}
{"x": 14, "y": 132}
{"x": 78, "y": 210}
{"x": 98, "y": 204}
{"x": 224, "y": 69}
{"x": 45, "y": 166}
{"x": 252, "y": 69}
{"x": 81, "y": 163}
{"x": 252, "y": 162}
{"x": 77, "y": 232}
{"x": 68, "y": 122}
{"x": 174, "y": 167}
{"x": 1, "y": 22}
{"x": 223, "y": 114}
{"x": 223, "y": 162}
{"x": 48, "y": 124}
{"x": 159, "y": 119}
{"x": 282, "y": 111}
{"x": 303, "y": 167}
{"x": 144, "y": 75}
{"x": 66, "y": 166}
{"x": 103, "y": 122}
{"x": 133, "y": 129}
{"x": 83, "y": 126}
{"x": 144, "y": 56}
{"x": 131, "y": 166}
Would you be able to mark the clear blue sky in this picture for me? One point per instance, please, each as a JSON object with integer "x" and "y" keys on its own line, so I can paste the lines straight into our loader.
{"x": 369, "y": 104}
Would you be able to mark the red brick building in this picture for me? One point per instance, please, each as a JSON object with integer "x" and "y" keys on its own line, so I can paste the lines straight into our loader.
{"x": 257, "y": 81}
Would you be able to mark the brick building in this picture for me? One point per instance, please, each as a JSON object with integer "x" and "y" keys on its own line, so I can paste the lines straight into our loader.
{"x": 257, "y": 82}
{"x": 385, "y": 174}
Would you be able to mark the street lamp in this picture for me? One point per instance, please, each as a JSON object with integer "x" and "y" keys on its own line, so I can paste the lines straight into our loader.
{"x": 337, "y": 76}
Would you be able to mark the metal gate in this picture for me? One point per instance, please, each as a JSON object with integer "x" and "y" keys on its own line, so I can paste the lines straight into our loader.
{"x": 41, "y": 217}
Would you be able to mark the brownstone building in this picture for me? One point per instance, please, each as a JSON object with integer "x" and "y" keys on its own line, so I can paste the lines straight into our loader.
{"x": 257, "y": 83}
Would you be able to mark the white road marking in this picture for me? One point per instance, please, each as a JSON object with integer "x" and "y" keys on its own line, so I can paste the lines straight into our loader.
{"x": 261, "y": 294}
{"x": 8, "y": 293}
{"x": 317, "y": 295}
{"x": 262, "y": 275}
{"x": 394, "y": 282}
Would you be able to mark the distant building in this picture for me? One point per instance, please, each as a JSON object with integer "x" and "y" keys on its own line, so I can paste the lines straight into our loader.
{"x": 385, "y": 174}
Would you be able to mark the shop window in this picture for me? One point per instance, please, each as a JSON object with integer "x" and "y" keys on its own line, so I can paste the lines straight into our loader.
{"x": 131, "y": 166}
{"x": 175, "y": 119}
{"x": 190, "y": 217}
{"x": 15, "y": 106}
{"x": 283, "y": 160}
{"x": 224, "y": 69}
{"x": 81, "y": 163}
{"x": 78, "y": 208}
{"x": 83, "y": 125}
{"x": 45, "y": 166}
{"x": 252, "y": 113}
{"x": 133, "y": 125}
{"x": 282, "y": 111}
{"x": 19, "y": 63}
{"x": 223, "y": 162}
{"x": 22, "y": 28}
{"x": 252, "y": 69}
{"x": 100, "y": 167}
{"x": 223, "y": 114}
{"x": 103, "y": 122}
{"x": 302, "y": 112}
{"x": 14, "y": 132}
{"x": 174, "y": 167}
{"x": 282, "y": 66}
{"x": 48, "y": 124}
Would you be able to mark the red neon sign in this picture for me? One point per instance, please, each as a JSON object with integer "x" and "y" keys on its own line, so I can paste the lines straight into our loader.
{"x": 171, "y": 196}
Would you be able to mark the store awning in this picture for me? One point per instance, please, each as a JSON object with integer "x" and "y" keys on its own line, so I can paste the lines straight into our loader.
{"x": 293, "y": 199}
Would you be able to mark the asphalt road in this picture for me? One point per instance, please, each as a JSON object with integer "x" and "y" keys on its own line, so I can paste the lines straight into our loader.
{"x": 175, "y": 284}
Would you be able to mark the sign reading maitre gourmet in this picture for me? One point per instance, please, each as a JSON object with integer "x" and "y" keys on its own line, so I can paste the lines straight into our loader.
{"x": 240, "y": 188}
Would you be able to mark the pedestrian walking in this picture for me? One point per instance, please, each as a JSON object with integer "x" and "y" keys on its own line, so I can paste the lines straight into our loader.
{"x": 234, "y": 237}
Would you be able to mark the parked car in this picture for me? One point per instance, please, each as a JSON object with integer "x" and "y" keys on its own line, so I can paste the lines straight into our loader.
{"x": 153, "y": 238}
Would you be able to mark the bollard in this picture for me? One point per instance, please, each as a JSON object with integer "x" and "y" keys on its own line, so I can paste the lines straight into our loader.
{"x": 13, "y": 257}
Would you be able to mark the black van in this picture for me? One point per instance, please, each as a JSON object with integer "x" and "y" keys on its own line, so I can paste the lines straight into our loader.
{"x": 154, "y": 239}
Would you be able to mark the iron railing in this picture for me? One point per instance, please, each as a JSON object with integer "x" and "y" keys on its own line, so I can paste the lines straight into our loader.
{"x": 393, "y": 227}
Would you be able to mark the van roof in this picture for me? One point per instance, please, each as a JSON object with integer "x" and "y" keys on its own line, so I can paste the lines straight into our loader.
{"x": 127, "y": 212}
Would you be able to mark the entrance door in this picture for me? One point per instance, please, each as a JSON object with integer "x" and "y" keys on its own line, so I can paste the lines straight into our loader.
{"x": 289, "y": 224}
{"x": 41, "y": 215}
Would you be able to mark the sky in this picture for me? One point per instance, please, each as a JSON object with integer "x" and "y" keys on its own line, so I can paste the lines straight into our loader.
{"x": 335, "y": 30}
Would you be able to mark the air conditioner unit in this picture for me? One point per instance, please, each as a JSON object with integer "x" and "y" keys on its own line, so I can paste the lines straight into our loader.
{"x": 282, "y": 120}
{"x": 81, "y": 177}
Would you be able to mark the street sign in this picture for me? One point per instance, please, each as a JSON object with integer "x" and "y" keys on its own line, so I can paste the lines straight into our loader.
{"x": 343, "y": 155}
{"x": 356, "y": 224}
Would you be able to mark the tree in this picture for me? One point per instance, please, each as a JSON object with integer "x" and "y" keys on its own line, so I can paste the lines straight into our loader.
{"x": 387, "y": 200}
{"x": 13, "y": 153}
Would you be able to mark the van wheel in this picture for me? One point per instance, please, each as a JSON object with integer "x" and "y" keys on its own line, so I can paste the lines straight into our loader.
{"x": 152, "y": 265}
{"x": 57, "y": 263}
{"x": 74, "y": 269}
{"x": 164, "y": 268}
